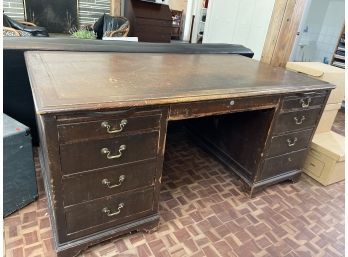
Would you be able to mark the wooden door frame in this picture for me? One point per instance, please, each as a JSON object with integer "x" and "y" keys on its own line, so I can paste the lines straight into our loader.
{"x": 115, "y": 7}
{"x": 282, "y": 31}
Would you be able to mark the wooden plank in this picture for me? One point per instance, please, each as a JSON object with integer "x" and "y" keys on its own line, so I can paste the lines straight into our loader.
{"x": 115, "y": 7}
{"x": 273, "y": 30}
{"x": 279, "y": 45}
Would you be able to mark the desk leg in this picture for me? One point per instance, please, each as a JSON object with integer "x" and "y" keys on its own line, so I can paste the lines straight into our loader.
{"x": 296, "y": 178}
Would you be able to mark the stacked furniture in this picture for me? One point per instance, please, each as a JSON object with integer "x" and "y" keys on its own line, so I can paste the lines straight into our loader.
{"x": 338, "y": 58}
{"x": 103, "y": 133}
{"x": 150, "y": 22}
{"x": 176, "y": 23}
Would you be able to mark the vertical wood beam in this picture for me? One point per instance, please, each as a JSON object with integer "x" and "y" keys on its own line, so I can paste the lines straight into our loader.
{"x": 282, "y": 31}
{"x": 115, "y": 7}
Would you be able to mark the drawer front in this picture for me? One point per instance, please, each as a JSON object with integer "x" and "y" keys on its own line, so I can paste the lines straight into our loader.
{"x": 207, "y": 108}
{"x": 304, "y": 101}
{"x": 296, "y": 120}
{"x": 108, "y": 211}
{"x": 281, "y": 164}
{"x": 313, "y": 165}
{"x": 107, "y": 128}
{"x": 85, "y": 187}
{"x": 289, "y": 142}
{"x": 95, "y": 154}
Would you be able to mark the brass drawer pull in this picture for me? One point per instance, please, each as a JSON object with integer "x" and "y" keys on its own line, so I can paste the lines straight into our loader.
{"x": 106, "y": 125}
{"x": 106, "y": 182}
{"x": 109, "y": 213}
{"x": 107, "y": 152}
{"x": 298, "y": 122}
{"x": 305, "y": 102}
{"x": 291, "y": 143}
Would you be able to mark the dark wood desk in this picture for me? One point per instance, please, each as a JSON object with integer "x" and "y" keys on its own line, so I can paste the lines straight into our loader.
{"x": 103, "y": 120}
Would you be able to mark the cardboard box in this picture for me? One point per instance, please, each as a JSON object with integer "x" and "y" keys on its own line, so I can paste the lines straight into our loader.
{"x": 325, "y": 160}
{"x": 328, "y": 118}
{"x": 323, "y": 72}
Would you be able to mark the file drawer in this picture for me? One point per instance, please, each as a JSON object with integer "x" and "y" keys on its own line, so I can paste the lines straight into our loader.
{"x": 290, "y": 121}
{"x": 92, "y": 185}
{"x": 281, "y": 164}
{"x": 96, "y": 154}
{"x": 108, "y": 211}
{"x": 289, "y": 142}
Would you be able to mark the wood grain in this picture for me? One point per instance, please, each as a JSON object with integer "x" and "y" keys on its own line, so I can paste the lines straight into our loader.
{"x": 282, "y": 32}
{"x": 273, "y": 30}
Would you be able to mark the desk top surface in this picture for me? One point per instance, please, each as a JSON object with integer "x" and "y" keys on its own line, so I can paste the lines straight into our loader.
{"x": 70, "y": 81}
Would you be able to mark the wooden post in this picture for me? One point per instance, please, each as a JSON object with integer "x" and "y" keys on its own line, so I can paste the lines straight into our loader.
{"x": 282, "y": 31}
{"x": 115, "y": 7}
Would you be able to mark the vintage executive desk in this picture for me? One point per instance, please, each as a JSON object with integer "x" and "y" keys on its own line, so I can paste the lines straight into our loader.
{"x": 103, "y": 120}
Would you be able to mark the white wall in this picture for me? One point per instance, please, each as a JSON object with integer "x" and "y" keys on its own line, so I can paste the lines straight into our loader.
{"x": 179, "y": 5}
{"x": 319, "y": 31}
{"x": 242, "y": 22}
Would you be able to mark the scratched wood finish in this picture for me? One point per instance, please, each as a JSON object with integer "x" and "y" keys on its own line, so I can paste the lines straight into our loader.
{"x": 289, "y": 142}
{"x": 297, "y": 120}
{"x": 90, "y": 156}
{"x": 309, "y": 100}
{"x": 282, "y": 164}
{"x": 73, "y": 98}
{"x": 89, "y": 215}
{"x": 117, "y": 80}
{"x": 136, "y": 175}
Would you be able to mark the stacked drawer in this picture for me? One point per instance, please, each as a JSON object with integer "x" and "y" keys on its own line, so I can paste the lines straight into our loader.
{"x": 108, "y": 167}
{"x": 292, "y": 132}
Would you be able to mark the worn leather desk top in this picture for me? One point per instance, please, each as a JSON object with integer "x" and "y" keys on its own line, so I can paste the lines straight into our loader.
{"x": 68, "y": 81}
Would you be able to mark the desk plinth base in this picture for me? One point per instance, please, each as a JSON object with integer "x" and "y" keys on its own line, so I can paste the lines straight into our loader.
{"x": 254, "y": 188}
{"x": 74, "y": 247}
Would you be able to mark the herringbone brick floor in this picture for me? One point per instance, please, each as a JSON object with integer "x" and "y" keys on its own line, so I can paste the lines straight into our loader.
{"x": 205, "y": 213}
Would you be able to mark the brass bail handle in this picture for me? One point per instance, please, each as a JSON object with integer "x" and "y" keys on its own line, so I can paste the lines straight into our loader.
{"x": 106, "y": 125}
{"x": 106, "y": 182}
{"x": 298, "y": 122}
{"x": 108, "y": 152}
{"x": 305, "y": 102}
{"x": 291, "y": 142}
{"x": 109, "y": 213}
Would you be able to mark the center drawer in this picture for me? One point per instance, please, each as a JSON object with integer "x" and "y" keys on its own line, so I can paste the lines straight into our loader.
{"x": 95, "y": 154}
{"x": 92, "y": 185}
{"x": 109, "y": 211}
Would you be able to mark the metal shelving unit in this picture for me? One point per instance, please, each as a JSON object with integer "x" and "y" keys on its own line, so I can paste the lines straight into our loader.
{"x": 338, "y": 58}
